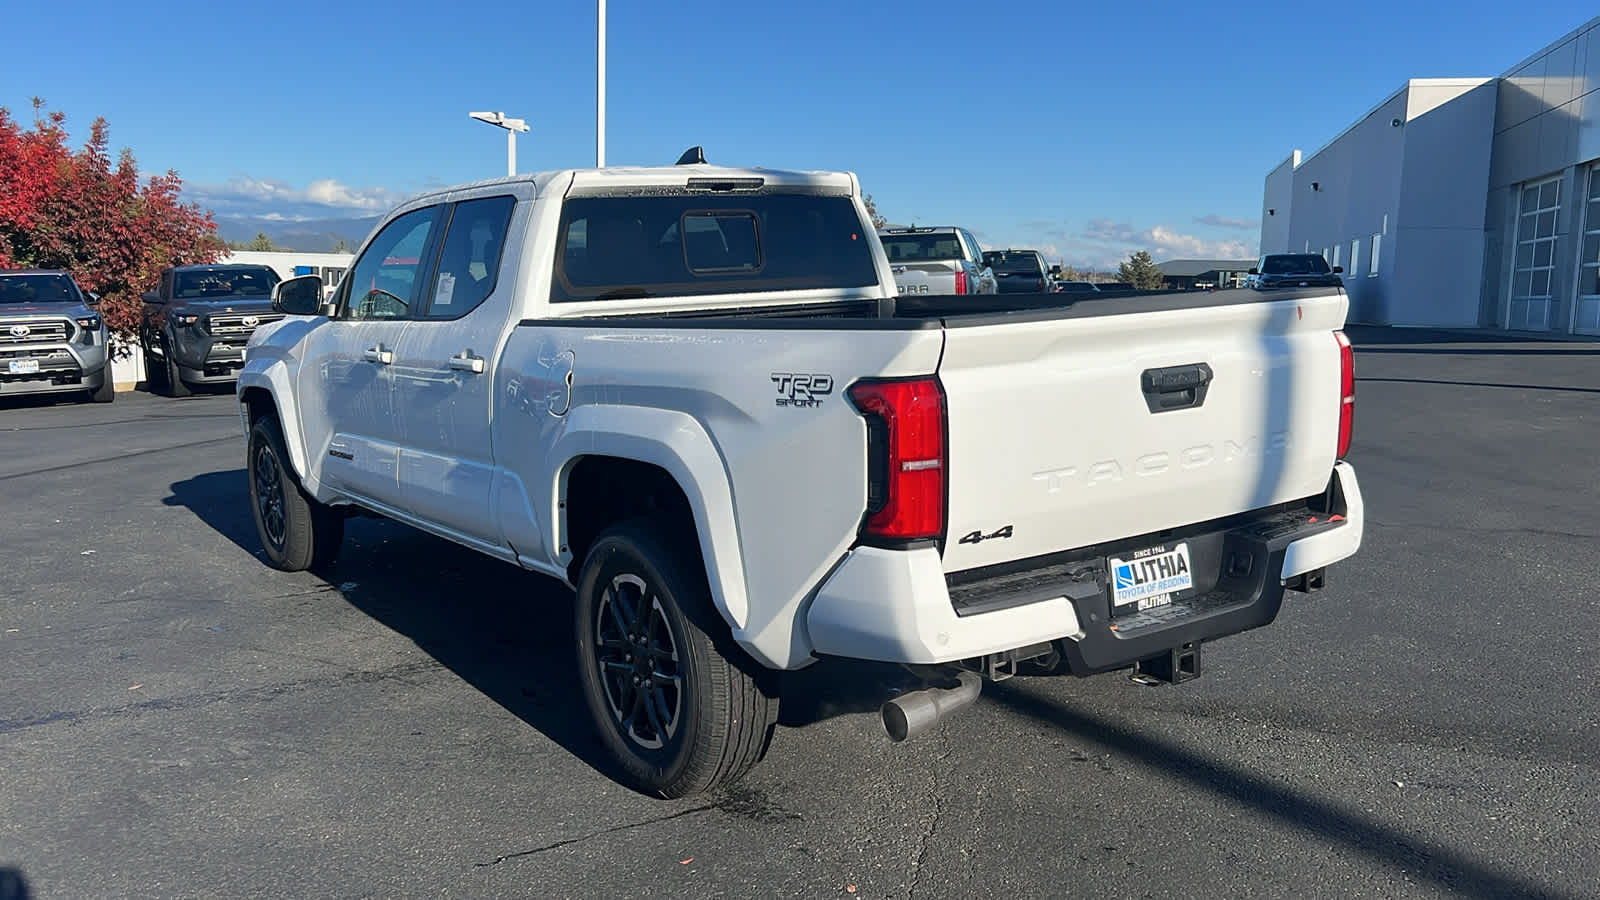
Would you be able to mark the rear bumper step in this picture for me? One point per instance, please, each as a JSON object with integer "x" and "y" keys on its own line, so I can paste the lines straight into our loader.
{"x": 1241, "y": 571}
{"x": 900, "y": 606}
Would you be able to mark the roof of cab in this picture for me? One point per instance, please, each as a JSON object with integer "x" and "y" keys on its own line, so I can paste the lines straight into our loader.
{"x": 649, "y": 176}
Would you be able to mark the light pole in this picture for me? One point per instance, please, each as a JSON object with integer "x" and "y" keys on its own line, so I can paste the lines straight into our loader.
{"x": 512, "y": 126}
{"x": 600, "y": 85}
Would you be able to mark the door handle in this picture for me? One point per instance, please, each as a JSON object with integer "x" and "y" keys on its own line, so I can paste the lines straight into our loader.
{"x": 466, "y": 362}
{"x": 378, "y": 355}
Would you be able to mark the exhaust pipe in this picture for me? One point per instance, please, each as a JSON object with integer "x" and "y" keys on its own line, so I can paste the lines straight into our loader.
{"x": 914, "y": 712}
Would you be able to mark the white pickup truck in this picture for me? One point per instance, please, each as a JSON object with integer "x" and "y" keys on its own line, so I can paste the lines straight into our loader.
{"x": 691, "y": 394}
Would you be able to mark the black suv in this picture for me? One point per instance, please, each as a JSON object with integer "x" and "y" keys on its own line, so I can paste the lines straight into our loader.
{"x": 197, "y": 323}
{"x": 1019, "y": 271}
{"x": 1282, "y": 270}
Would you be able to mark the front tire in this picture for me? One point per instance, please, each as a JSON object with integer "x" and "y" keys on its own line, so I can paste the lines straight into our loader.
{"x": 680, "y": 707}
{"x": 107, "y": 391}
{"x": 296, "y": 531}
{"x": 175, "y": 386}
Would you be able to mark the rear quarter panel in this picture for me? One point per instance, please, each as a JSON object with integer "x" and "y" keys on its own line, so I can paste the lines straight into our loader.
{"x": 778, "y": 487}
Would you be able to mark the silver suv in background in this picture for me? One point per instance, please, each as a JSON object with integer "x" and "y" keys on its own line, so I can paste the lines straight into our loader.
{"x": 52, "y": 338}
{"x": 940, "y": 260}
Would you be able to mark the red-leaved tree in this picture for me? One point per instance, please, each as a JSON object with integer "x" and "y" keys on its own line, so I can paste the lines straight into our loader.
{"x": 61, "y": 209}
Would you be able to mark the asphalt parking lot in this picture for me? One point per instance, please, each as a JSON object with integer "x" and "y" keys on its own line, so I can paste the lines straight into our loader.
{"x": 177, "y": 720}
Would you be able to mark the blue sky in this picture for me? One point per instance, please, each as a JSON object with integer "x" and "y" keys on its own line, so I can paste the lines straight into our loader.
{"x": 1086, "y": 131}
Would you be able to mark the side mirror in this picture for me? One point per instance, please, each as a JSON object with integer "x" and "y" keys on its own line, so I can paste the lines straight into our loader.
{"x": 150, "y": 297}
{"x": 1055, "y": 270}
{"x": 300, "y": 296}
{"x": 1254, "y": 271}
{"x": 1338, "y": 269}
{"x": 92, "y": 300}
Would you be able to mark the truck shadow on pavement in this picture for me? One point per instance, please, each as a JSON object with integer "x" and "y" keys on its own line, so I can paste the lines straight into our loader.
{"x": 12, "y": 885}
{"x": 505, "y": 631}
{"x": 1383, "y": 844}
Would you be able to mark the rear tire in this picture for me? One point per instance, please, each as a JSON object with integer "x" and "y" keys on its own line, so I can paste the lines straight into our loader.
{"x": 680, "y": 707}
{"x": 296, "y": 531}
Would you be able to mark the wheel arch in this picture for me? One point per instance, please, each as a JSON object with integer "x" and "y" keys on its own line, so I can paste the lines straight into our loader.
{"x": 264, "y": 394}
{"x": 672, "y": 467}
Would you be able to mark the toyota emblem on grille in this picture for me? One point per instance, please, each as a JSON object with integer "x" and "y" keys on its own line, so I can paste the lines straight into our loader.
{"x": 249, "y": 321}
{"x": 20, "y": 331}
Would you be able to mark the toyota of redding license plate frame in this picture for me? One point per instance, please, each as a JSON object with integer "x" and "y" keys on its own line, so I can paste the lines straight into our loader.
{"x": 1149, "y": 578}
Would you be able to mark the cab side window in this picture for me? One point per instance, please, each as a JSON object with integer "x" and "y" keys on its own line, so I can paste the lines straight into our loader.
{"x": 973, "y": 250}
{"x": 469, "y": 264}
{"x": 383, "y": 282}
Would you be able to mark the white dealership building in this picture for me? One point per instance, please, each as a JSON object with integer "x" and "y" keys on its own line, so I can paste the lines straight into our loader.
{"x": 1461, "y": 202}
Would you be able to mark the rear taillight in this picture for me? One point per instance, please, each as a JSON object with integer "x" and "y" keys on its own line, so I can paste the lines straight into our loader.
{"x": 905, "y": 459}
{"x": 961, "y": 281}
{"x": 1347, "y": 392}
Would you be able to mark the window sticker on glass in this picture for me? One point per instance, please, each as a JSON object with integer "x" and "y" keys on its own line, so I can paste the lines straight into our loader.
{"x": 445, "y": 290}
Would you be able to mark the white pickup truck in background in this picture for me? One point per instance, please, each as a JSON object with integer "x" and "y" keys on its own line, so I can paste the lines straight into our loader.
{"x": 692, "y": 394}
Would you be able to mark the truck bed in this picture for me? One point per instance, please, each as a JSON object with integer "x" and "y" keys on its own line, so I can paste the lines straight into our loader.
{"x": 937, "y": 310}
{"x": 1072, "y": 421}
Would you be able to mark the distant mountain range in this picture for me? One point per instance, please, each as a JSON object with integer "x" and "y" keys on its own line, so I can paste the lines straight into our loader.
{"x": 308, "y": 235}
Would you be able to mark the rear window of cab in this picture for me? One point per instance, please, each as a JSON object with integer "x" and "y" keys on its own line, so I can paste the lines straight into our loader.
{"x": 624, "y": 247}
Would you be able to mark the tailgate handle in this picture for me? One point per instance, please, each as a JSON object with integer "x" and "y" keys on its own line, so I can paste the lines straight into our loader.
{"x": 1175, "y": 387}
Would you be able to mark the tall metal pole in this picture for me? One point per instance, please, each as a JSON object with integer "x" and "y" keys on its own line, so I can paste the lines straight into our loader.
{"x": 511, "y": 151}
{"x": 600, "y": 86}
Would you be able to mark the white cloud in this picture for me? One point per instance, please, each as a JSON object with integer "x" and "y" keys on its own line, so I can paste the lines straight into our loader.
{"x": 1105, "y": 243}
{"x": 1175, "y": 244}
{"x": 331, "y": 193}
{"x": 244, "y": 195}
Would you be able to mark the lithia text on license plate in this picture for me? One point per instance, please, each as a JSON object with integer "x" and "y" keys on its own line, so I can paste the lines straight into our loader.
{"x": 1150, "y": 577}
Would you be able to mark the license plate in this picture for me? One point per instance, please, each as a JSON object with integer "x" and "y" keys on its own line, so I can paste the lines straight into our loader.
{"x": 1149, "y": 578}
{"x": 24, "y": 366}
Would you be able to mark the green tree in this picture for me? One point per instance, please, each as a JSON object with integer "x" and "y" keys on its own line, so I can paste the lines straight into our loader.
{"x": 872, "y": 211}
{"x": 261, "y": 242}
{"x": 341, "y": 247}
{"x": 1141, "y": 272}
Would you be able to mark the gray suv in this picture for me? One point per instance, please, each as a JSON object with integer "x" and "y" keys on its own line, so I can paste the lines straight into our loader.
{"x": 52, "y": 338}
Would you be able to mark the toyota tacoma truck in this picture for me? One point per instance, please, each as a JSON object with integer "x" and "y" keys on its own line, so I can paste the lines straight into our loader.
{"x": 694, "y": 395}
{"x": 945, "y": 260}
{"x": 52, "y": 338}
{"x": 196, "y": 324}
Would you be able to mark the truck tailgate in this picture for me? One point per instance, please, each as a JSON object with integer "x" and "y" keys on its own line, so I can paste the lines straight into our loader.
{"x": 1066, "y": 432}
{"x": 937, "y": 277}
